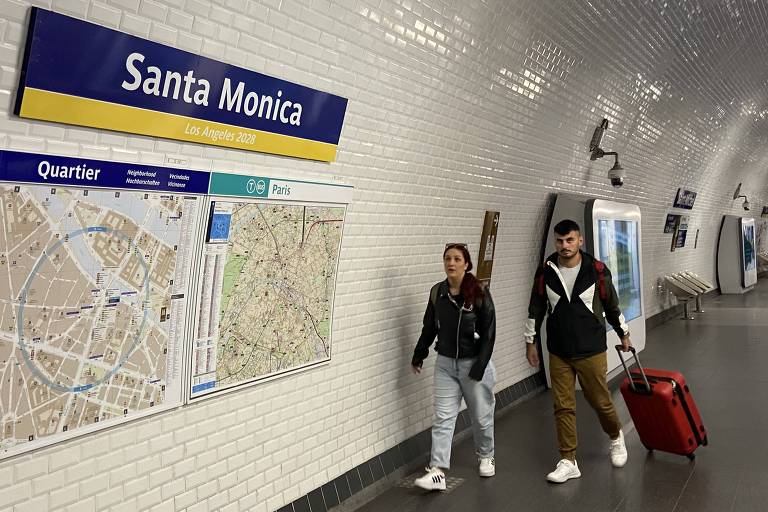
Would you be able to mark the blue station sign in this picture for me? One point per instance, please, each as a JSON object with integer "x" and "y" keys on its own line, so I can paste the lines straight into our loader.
{"x": 76, "y": 72}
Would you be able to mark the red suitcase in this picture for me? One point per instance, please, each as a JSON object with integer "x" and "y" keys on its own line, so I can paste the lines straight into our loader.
{"x": 662, "y": 409}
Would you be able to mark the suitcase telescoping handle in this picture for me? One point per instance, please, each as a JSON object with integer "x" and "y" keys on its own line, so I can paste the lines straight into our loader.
{"x": 620, "y": 349}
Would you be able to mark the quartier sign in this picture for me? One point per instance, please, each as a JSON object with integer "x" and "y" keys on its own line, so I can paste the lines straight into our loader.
{"x": 80, "y": 73}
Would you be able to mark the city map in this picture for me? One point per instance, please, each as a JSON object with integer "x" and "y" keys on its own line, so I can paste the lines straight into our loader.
{"x": 268, "y": 279}
{"x": 92, "y": 305}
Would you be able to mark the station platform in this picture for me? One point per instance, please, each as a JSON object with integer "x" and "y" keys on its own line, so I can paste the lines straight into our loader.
{"x": 724, "y": 355}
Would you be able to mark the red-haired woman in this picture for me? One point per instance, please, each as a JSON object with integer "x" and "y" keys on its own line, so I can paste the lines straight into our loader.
{"x": 461, "y": 315}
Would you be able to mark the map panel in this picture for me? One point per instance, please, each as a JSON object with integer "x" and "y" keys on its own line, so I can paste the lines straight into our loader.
{"x": 268, "y": 275}
{"x": 93, "y": 307}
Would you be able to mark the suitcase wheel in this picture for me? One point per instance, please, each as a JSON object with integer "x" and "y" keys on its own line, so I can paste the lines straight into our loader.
{"x": 648, "y": 447}
{"x": 691, "y": 456}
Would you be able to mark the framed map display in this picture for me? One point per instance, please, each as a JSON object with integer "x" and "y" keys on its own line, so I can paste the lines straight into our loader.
{"x": 267, "y": 281}
{"x": 94, "y": 283}
{"x": 128, "y": 289}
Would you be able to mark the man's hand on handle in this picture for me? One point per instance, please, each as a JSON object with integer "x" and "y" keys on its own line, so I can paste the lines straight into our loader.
{"x": 625, "y": 343}
{"x": 532, "y": 354}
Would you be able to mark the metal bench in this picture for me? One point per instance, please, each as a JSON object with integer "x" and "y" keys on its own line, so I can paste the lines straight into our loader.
{"x": 683, "y": 291}
{"x": 698, "y": 284}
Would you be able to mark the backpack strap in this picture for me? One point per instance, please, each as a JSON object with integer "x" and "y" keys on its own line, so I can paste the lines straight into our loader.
{"x": 600, "y": 270}
{"x": 433, "y": 294}
{"x": 433, "y": 299}
{"x": 540, "y": 287}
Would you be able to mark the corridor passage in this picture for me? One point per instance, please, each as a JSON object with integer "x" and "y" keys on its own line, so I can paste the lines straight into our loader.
{"x": 723, "y": 353}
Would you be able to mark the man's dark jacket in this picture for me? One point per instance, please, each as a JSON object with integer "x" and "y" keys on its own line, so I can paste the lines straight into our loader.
{"x": 576, "y": 326}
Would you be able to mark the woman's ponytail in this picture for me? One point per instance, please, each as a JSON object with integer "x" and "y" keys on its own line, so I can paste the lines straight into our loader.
{"x": 471, "y": 289}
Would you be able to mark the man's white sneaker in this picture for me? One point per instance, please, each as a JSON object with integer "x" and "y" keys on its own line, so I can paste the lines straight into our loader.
{"x": 618, "y": 451}
{"x": 434, "y": 480}
{"x": 565, "y": 470}
{"x": 487, "y": 467}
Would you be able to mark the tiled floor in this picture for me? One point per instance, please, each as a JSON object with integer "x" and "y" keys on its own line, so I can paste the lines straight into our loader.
{"x": 724, "y": 356}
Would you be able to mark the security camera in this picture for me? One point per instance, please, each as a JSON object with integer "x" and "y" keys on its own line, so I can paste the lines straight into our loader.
{"x": 597, "y": 137}
{"x": 617, "y": 173}
{"x": 617, "y": 176}
{"x": 738, "y": 194}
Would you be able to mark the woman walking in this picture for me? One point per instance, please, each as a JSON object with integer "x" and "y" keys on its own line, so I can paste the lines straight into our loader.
{"x": 461, "y": 315}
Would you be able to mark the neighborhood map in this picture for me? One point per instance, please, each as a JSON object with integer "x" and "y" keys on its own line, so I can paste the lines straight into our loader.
{"x": 92, "y": 305}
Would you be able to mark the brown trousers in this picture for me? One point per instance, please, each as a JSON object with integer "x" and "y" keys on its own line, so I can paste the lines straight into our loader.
{"x": 592, "y": 376}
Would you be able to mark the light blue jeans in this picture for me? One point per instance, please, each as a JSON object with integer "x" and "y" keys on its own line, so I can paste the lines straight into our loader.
{"x": 452, "y": 382}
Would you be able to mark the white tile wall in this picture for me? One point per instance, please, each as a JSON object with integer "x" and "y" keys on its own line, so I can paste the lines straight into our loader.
{"x": 455, "y": 108}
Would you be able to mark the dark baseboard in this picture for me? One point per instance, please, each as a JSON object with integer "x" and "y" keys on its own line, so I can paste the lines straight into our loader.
{"x": 663, "y": 317}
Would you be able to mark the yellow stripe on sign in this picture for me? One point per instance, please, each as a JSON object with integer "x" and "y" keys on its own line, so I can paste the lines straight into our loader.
{"x": 64, "y": 108}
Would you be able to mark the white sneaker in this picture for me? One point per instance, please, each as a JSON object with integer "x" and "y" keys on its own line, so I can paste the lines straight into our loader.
{"x": 434, "y": 480}
{"x": 618, "y": 451}
{"x": 565, "y": 470}
{"x": 487, "y": 467}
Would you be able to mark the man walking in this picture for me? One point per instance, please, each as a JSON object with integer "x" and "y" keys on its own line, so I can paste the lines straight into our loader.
{"x": 577, "y": 290}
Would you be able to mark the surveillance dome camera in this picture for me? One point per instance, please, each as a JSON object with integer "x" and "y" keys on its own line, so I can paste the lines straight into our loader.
{"x": 745, "y": 205}
{"x": 617, "y": 177}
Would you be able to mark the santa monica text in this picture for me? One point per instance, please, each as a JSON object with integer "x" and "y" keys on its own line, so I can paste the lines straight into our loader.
{"x": 234, "y": 97}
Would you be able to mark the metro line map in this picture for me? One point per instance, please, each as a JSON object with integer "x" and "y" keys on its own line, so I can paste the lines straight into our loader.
{"x": 92, "y": 305}
{"x": 268, "y": 283}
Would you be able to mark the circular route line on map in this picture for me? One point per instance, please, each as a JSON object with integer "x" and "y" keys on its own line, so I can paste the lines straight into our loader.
{"x": 23, "y": 300}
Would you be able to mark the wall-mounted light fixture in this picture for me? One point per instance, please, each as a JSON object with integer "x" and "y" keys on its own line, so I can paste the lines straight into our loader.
{"x": 617, "y": 173}
{"x": 737, "y": 194}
